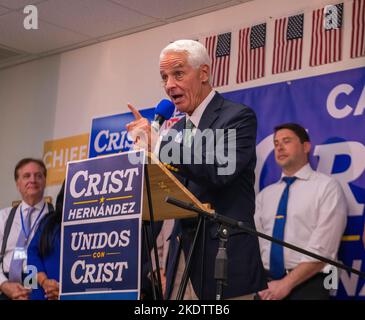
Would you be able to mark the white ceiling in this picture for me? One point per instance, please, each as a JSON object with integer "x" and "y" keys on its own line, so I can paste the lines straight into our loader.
{"x": 68, "y": 24}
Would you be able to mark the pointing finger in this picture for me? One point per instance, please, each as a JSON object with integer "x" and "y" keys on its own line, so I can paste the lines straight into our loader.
{"x": 135, "y": 112}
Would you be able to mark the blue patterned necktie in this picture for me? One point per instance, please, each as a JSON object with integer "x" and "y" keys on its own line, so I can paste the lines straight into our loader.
{"x": 277, "y": 268}
{"x": 16, "y": 265}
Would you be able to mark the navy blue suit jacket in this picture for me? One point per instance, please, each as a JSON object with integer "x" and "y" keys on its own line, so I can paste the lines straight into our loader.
{"x": 231, "y": 195}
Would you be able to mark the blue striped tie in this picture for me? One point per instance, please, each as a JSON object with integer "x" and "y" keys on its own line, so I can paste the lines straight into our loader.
{"x": 16, "y": 265}
{"x": 277, "y": 268}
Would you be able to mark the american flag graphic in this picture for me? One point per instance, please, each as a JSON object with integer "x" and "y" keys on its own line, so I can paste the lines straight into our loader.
{"x": 288, "y": 44}
{"x": 219, "y": 50}
{"x": 251, "y": 53}
{"x": 358, "y": 29}
{"x": 326, "y": 35}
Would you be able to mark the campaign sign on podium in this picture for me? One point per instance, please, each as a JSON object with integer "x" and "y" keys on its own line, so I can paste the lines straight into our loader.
{"x": 101, "y": 228}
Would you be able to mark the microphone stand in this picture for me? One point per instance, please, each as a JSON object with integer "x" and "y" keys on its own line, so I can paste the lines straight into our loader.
{"x": 220, "y": 273}
{"x": 221, "y": 260}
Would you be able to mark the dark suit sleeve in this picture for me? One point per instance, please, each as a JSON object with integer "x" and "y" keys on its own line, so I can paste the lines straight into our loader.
{"x": 222, "y": 163}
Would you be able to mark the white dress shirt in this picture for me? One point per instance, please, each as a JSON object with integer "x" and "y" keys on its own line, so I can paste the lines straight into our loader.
{"x": 198, "y": 112}
{"x": 162, "y": 242}
{"x": 15, "y": 230}
{"x": 194, "y": 118}
{"x": 315, "y": 221}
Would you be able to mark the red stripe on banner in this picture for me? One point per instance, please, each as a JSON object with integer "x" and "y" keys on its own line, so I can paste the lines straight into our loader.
{"x": 222, "y": 68}
{"x": 210, "y": 48}
{"x": 294, "y": 55}
{"x": 317, "y": 51}
{"x": 217, "y": 71}
{"x": 228, "y": 58}
{"x": 280, "y": 46}
{"x": 300, "y": 53}
{"x": 287, "y": 45}
{"x": 239, "y": 63}
{"x": 214, "y": 67}
{"x": 278, "y": 57}
{"x": 222, "y": 71}
{"x": 320, "y": 26}
{"x": 354, "y": 30}
{"x": 325, "y": 47}
{"x": 263, "y": 62}
{"x": 329, "y": 46}
{"x": 298, "y": 59}
{"x": 278, "y": 39}
{"x": 283, "y": 44}
{"x": 254, "y": 63}
{"x": 360, "y": 50}
{"x": 273, "y": 71}
{"x": 218, "y": 63}
{"x": 358, "y": 23}
{"x": 292, "y": 52}
{"x": 312, "y": 42}
{"x": 340, "y": 44}
{"x": 207, "y": 45}
{"x": 247, "y": 53}
{"x": 250, "y": 59}
{"x": 335, "y": 42}
{"x": 258, "y": 67}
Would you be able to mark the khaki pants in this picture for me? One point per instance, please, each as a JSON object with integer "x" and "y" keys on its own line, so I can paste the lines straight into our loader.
{"x": 189, "y": 292}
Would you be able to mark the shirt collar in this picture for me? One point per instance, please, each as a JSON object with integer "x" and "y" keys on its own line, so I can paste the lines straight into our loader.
{"x": 303, "y": 173}
{"x": 38, "y": 206}
{"x": 198, "y": 112}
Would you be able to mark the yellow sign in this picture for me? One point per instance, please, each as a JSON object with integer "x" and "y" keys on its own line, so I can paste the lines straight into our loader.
{"x": 56, "y": 154}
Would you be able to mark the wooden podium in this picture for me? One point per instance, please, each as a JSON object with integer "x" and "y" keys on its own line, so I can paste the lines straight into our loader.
{"x": 159, "y": 183}
{"x": 162, "y": 184}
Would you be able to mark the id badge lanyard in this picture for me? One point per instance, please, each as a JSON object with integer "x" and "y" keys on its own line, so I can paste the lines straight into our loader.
{"x": 27, "y": 234}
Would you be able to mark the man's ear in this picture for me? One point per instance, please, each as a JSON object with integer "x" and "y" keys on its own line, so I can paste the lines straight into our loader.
{"x": 307, "y": 147}
{"x": 17, "y": 184}
{"x": 204, "y": 73}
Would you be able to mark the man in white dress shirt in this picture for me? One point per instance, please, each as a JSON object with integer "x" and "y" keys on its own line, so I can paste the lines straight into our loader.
{"x": 30, "y": 177}
{"x": 305, "y": 208}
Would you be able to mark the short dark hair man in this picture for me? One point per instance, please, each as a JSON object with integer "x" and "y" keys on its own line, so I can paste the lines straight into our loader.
{"x": 305, "y": 208}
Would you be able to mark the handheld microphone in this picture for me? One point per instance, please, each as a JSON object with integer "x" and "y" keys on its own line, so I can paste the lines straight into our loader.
{"x": 163, "y": 112}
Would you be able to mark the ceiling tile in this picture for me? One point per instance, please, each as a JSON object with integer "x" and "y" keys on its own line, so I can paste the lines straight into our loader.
{"x": 17, "y": 4}
{"x": 46, "y": 38}
{"x": 166, "y": 9}
{"x": 6, "y": 53}
{"x": 3, "y": 10}
{"x": 91, "y": 17}
{"x": 70, "y": 24}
